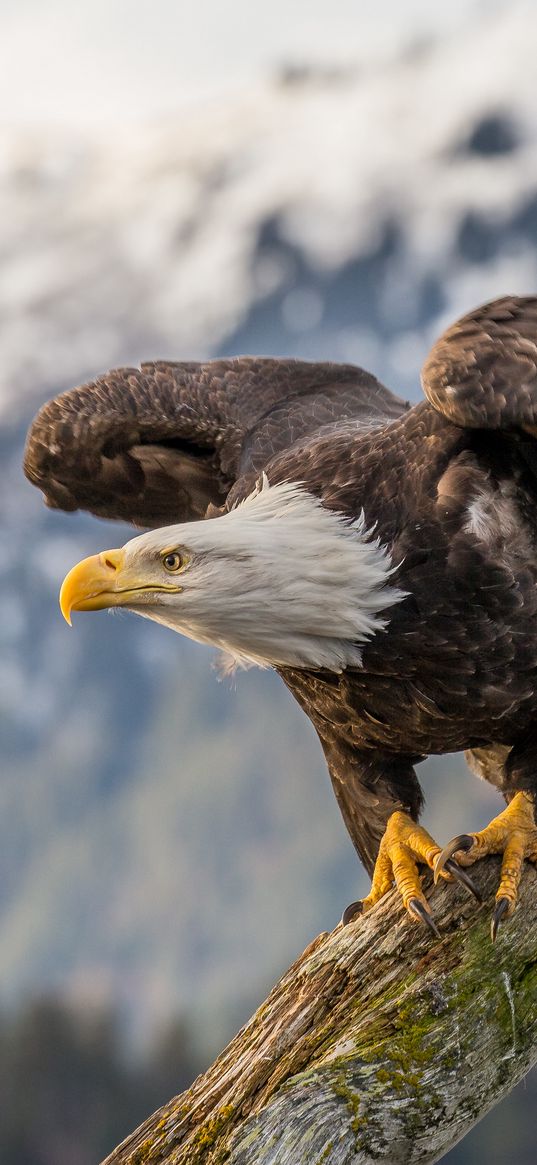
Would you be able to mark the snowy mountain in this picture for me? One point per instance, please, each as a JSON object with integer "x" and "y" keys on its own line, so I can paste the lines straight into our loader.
{"x": 326, "y": 212}
{"x": 157, "y": 843}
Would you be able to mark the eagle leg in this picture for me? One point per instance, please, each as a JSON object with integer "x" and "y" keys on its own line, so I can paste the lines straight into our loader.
{"x": 403, "y": 845}
{"x": 514, "y": 835}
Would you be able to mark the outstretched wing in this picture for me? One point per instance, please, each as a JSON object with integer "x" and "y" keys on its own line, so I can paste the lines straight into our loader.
{"x": 482, "y": 372}
{"x": 162, "y": 443}
{"x": 480, "y": 375}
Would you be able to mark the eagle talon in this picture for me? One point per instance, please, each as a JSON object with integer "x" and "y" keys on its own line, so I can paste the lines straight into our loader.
{"x": 501, "y": 910}
{"x": 443, "y": 861}
{"x": 351, "y": 911}
{"x": 404, "y": 846}
{"x": 513, "y": 835}
{"x": 416, "y": 907}
{"x": 462, "y": 877}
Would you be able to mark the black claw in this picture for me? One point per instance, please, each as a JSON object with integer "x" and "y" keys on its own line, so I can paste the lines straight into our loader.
{"x": 420, "y": 911}
{"x": 461, "y": 876}
{"x": 500, "y": 910}
{"x": 463, "y": 842}
{"x": 349, "y": 914}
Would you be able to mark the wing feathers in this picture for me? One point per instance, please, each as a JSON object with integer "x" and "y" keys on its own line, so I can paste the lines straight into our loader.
{"x": 482, "y": 372}
{"x": 162, "y": 443}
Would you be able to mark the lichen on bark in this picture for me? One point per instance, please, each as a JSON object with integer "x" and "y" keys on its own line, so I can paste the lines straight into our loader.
{"x": 381, "y": 1043}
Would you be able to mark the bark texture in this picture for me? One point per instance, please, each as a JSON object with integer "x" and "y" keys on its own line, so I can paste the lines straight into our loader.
{"x": 381, "y": 1043}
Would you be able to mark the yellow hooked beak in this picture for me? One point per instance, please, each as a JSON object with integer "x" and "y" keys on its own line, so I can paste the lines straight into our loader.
{"x": 93, "y": 584}
{"x": 104, "y": 581}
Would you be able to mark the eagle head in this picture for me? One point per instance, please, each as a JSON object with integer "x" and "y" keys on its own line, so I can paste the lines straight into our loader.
{"x": 280, "y": 580}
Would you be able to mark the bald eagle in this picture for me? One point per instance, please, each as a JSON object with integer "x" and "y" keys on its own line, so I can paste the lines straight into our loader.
{"x": 382, "y": 557}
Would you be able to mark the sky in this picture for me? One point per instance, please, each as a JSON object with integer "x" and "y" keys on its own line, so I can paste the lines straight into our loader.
{"x": 85, "y": 62}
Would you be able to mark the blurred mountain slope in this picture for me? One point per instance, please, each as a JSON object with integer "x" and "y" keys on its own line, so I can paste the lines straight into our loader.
{"x": 128, "y": 62}
{"x": 345, "y": 208}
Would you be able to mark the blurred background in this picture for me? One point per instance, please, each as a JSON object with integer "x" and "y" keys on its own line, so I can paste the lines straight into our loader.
{"x": 325, "y": 180}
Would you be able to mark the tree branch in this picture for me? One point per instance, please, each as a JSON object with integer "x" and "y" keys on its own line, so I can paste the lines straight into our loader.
{"x": 381, "y": 1043}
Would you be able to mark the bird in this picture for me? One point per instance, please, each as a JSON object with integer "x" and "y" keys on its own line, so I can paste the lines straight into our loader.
{"x": 380, "y": 556}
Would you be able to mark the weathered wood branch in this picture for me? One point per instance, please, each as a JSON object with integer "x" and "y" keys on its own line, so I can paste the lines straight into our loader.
{"x": 381, "y": 1043}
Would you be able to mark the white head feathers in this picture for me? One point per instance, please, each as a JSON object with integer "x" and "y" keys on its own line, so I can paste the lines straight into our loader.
{"x": 279, "y": 580}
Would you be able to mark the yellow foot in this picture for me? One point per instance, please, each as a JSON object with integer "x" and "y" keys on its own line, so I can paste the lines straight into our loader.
{"x": 404, "y": 844}
{"x": 512, "y": 833}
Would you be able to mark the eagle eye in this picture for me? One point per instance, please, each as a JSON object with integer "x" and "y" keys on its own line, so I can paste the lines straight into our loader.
{"x": 172, "y": 561}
